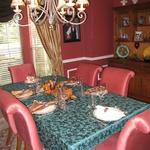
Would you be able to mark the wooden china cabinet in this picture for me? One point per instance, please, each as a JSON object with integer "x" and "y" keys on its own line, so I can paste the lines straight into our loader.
{"x": 139, "y": 87}
{"x": 131, "y": 39}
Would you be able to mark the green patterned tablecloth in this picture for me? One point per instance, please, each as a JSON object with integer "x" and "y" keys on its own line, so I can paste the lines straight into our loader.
{"x": 74, "y": 128}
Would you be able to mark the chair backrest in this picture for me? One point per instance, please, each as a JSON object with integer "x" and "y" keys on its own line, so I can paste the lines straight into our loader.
{"x": 88, "y": 73}
{"x": 135, "y": 135}
{"x": 20, "y": 120}
{"x": 20, "y": 72}
{"x": 117, "y": 80}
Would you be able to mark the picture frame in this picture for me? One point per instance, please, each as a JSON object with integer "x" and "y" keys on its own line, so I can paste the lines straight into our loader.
{"x": 71, "y": 33}
{"x": 138, "y": 36}
{"x": 125, "y": 21}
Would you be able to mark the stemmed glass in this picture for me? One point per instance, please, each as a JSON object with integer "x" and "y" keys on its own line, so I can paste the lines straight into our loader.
{"x": 55, "y": 80}
{"x": 81, "y": 89}
{"x": 103, "y": 91}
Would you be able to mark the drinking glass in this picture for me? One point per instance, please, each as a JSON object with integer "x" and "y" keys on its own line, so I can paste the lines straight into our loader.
{"x": 62, "y": 99}
{"x": 93, "y": 101}
{"x": 92, "y": 104}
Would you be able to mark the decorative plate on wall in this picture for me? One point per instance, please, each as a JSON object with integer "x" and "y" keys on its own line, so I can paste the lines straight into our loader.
{"x": 122, "y": 51}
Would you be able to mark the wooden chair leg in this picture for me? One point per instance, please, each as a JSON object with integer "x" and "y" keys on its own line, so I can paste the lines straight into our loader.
{"x": 19, "y": 143}
{"x": 25, "y": 147}
{"x": 9, "y": 136}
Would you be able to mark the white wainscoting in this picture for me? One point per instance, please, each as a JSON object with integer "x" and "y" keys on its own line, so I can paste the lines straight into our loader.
{"x": 85, "y": 58}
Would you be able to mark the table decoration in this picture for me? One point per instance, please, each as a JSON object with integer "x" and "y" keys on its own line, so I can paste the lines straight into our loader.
{"x": 50, "y": 88}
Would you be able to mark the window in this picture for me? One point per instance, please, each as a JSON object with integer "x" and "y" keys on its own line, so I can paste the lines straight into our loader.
{"x": 41, "y": 61}
{"x": 10, "y": 50}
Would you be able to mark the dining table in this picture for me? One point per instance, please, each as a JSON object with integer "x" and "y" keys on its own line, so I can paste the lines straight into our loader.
{"x": 75, "y": 128}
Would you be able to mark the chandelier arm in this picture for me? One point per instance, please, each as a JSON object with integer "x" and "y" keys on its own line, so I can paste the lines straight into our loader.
{"x": 58, "y": 14}
{"x": 62, "y": 19}
{"x": 44, "y": 10}
{"x": 19, "y": 17}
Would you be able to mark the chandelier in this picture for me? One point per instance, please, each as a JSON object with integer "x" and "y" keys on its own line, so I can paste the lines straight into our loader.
{"x": 123, "y": 2}
{"x": 63, "y": 11}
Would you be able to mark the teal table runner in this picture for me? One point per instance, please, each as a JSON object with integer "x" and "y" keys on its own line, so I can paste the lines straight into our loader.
{"x": 74, "y": 128}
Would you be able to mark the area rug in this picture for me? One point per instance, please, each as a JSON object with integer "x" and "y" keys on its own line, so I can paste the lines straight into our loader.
{"x": 3, "y": 138}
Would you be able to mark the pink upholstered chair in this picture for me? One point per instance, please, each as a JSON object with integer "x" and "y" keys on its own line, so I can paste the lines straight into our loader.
{"x": 88, "y": 73}
{"x": 20, "y": 72}
{"x": 20, "y": 121}
{"x": 135, "y": 135}
{"x": 117, "y": 80}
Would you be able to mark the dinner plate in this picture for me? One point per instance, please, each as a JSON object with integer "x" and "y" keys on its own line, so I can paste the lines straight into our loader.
{"x": 45, "y": 110}
{"x": 107, "y": 113}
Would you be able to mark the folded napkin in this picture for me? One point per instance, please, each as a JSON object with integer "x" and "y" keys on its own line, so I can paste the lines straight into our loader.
{"x": 39, "y": 105}
{"x": 108, "y": 113}
{"x": 36, "y": 105}
{"x": 22, "y": 93}
{"x": 97, "y": 90}
{"x": 17, "y": 92}
{"x": 31, "y": 79}
{"x": 71, "y": 82}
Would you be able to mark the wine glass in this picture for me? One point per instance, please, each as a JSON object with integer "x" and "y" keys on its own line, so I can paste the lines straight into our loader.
{"x": 81, "y": 89}
{"x": 103, "y": 91}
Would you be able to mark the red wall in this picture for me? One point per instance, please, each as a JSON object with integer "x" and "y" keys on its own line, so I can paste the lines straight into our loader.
{"x": 96, "y": 35}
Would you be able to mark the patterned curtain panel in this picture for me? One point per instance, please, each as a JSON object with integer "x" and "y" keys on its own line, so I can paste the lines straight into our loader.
{"x": 6, "y": 12}
{"x": 50, "y": 38}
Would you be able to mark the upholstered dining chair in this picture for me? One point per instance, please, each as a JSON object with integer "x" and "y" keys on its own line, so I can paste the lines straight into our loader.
{"x": 20, "y": 121}
{"x": 117, "y": 80}
{"x": 20, "y": 72}
{"x": 88, "y": 73}
{"x": 135, "y": 135}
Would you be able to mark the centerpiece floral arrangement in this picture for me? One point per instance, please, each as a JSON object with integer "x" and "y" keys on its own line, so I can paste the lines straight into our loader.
{"x": 53, "y": 87}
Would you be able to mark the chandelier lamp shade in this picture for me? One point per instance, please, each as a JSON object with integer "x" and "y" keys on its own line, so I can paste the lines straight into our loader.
{"x": 63, "y": 11}
{"x": 124, "y": 2}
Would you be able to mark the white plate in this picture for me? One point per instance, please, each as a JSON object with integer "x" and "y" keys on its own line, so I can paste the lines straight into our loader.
{"x": 45, "y": 110}
{"x": 107, "y": 113}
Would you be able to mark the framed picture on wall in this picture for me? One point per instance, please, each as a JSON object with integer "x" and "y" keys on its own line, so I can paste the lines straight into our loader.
{"x": 71, "y": 32}
{"x": 138, "y": 36}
